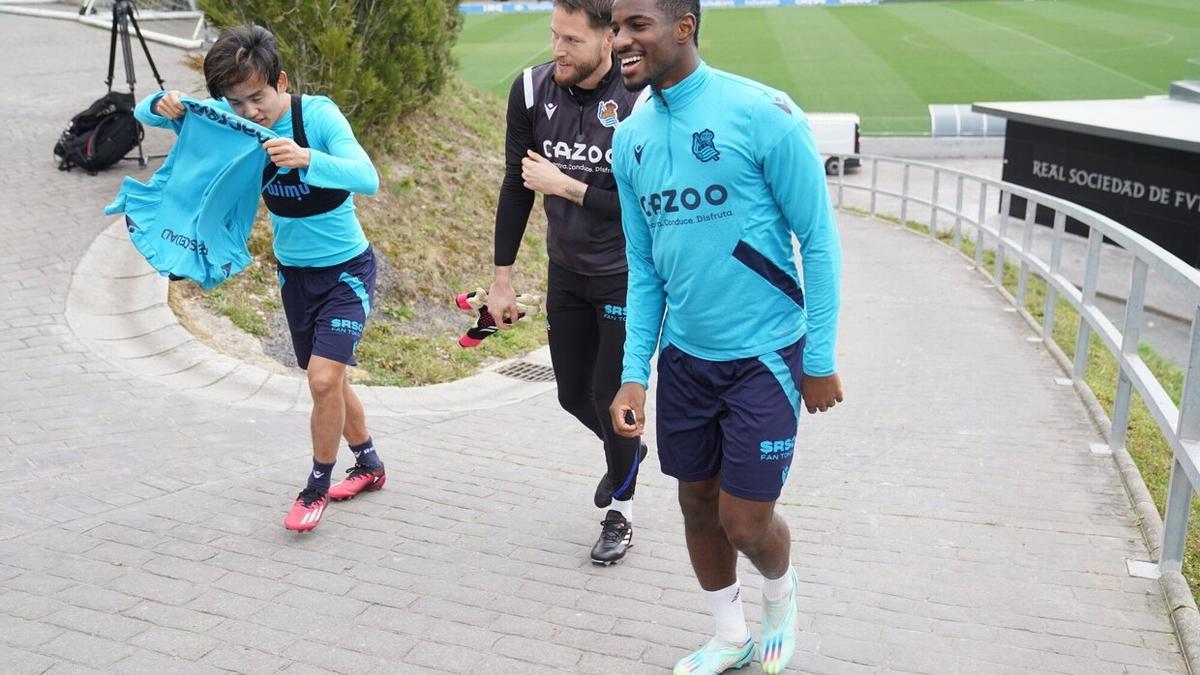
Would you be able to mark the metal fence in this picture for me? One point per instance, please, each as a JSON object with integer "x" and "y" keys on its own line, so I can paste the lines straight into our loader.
{"x": 190, "y": 34}
{"x": 991, "y": 226}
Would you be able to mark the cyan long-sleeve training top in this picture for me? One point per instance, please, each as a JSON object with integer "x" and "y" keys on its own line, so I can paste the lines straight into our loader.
{"x": 714, "y": 179}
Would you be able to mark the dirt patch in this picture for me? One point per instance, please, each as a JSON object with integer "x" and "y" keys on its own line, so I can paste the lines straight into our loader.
{"x": 272, "y": 352}
{"x": 218, "y": 332}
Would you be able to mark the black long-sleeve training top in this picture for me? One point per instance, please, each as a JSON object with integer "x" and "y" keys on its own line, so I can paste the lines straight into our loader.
{"x": 572, "y": 128}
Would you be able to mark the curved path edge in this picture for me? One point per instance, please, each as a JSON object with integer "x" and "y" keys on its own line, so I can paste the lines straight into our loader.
{"x": 117, "y": 305}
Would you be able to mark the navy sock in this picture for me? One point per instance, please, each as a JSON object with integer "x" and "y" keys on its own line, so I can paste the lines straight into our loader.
{"x": 319, "y": 478}
{"x": 365, "y": 454}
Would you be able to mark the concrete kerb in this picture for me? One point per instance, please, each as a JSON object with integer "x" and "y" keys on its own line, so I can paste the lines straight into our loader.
{"x": 1185, "y": 616}
{"x": 117, "y": 306}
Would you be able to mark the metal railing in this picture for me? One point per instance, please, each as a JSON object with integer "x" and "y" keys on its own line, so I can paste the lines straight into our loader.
{"x": 1011, "y": 237}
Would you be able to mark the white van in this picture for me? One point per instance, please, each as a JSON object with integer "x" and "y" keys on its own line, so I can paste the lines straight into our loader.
{"x": 836, "y": 135}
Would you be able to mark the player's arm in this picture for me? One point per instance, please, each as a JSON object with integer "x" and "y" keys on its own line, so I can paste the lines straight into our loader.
{"x": 512, "y": 208}
{"x": 645, "y": 306}
{"x": 161, "y": 109}
{"x": 542, "y": 175}
{"x": 793, "y": 172}
{"x": 344, "y": 166}
{"x": 165, "y": 108}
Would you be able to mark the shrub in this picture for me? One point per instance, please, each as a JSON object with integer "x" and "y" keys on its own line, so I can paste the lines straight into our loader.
{"x": 377, "y": 59}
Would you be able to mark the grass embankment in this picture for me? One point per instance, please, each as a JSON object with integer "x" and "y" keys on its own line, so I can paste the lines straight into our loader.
{"x": 431, "y": 225}
{"x": 1144, "y": 441}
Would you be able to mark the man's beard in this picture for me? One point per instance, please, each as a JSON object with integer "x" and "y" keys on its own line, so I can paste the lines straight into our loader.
{"x": 578, "y": 73}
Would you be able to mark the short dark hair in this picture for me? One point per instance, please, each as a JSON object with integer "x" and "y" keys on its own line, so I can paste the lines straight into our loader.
{"x": 676, "y": 9}
{"x": 239, "y": 54}
{"x": 599, "y": 12}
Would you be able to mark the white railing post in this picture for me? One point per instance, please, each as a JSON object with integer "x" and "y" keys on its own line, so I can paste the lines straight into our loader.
{"x": 1091, "y": 276}
{"x": 1001, "y": 233}
{"x": 874, "y": 185}
{"x": 958, "y": 199}
{"x": 979, "y": 225}
{"x": 1060, "y": 227}
{"x": 933, "y": 205}
{"x": 1026, "y": 244}
{"x": 841, "y": 172}
{"x": 1130, "y": 335}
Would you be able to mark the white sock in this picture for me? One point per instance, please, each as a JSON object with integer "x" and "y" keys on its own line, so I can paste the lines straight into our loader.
{"x": 624, "y": 508}
{"x": 726, "y": 608}
{"x": 778, "y": 589}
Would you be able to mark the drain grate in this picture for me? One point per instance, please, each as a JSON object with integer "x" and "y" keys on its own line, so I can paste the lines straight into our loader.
{"x": 527, "y": 372}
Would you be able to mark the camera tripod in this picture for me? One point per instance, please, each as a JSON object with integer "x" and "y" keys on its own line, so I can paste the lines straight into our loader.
{"x": 122, "y": 17}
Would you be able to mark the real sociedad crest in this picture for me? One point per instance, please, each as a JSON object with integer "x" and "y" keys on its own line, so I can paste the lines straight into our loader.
{"x": 606, "y": 112}
{"x": 704, "y": 147}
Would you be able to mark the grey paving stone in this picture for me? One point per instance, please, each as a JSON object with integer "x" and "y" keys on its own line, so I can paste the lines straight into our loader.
{"x": 181, "y": 618}
{"x": 153, "y": 587}
{"x": 390, "y": 647}
{"x": 36, "y": 583}
{"x": 245, "y": 660}
{"x": 150, "y": 663}
{"x": 21, "y": 662}
{"x": 600, "y": 664}
{"x": 537, "y": 651}
{"x": 331, "y": 658}
{"x": 452, "y": 659}
{"x": 29, "y": 606}
{"x": 86, "y": 650}
{"x": 116, "y": 628}
{"x": 179, "y": 644}
{"x": 23, "y": 633}
{"x": 245, "y": 634}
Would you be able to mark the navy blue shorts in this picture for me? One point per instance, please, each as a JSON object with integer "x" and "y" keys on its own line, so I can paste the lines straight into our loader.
{"x": 736, "y": 419}
{"x": 327, "y": 307}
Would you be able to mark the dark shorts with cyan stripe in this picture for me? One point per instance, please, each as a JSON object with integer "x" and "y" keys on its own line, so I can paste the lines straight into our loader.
{"x": 327, "y": 307}
{"x": 734, "y": 419}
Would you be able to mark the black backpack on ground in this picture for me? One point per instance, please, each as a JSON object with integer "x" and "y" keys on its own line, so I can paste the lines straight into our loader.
{"x": 101, "y": 135}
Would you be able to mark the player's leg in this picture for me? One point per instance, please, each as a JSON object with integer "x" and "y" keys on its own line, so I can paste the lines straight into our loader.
{"x": 763, "y": 401}
{"x": 622, "y": 455}
{"x": 571, "y": 326}
{"x": 352, "y": 305}
{"x": 690, "y": 448}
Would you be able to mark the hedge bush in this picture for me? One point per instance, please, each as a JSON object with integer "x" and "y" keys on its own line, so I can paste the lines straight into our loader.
{"x": 377, "y": 59}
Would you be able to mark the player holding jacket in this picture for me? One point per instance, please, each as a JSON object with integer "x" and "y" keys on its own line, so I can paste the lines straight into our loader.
{"x": 326, "y": 265}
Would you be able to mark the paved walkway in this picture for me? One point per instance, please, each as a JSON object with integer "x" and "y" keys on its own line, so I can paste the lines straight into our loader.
{"x": 948, "y": 518}
{"x": 1167, "y": 323}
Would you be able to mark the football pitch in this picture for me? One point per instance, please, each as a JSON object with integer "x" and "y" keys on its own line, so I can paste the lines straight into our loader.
{"x": 889, "y": 62}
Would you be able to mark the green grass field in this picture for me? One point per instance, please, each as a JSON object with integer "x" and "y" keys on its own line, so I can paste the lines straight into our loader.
{"x": 888, "y": 62}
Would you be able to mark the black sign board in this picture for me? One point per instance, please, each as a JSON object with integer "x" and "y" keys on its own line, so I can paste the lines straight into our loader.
{"x": 1152, "y": 190}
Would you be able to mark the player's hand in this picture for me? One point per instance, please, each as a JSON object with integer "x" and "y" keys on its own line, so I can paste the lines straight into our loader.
{"x": 629, "y": 401}
{"x": 821, "y": 393}
{"x": 541, "y": 174}
{"x": 502, "y": 304}
{"x": 285, "y": 154}
{"x": 169, "y": 105}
